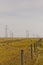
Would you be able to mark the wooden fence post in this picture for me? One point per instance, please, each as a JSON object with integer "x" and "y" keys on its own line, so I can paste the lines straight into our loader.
{"x": 22, "y": 57}
{"x": 31, "y": 52}
{"x": 34, "y": 47}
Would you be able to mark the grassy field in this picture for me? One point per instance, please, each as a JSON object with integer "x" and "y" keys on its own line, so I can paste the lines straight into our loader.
{"x": 10, "y": 51}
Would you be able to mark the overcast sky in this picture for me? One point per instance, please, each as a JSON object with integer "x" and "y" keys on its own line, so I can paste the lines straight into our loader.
{"x": 21, "y": 15}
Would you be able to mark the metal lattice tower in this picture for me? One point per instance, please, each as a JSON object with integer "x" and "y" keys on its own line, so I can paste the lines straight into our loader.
{"x": 27, "y": 34}
{"x": 6, "y": 32}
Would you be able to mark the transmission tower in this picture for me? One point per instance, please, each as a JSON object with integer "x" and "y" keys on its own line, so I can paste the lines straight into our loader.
{"x": 27, "y": 34}
{"x": 6, "y": 32}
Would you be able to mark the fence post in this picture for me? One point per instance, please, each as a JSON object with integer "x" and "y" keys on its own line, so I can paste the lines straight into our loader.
{"x": 31, "y": 52}
{"x": 34, "y": 47}
{"x": 22, "y": 57}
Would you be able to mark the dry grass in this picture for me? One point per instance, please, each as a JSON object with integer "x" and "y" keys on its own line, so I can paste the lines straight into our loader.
{"x": 10, "y": 50}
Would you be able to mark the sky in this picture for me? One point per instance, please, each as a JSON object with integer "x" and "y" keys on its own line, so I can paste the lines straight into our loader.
{"x": 21, "y": 16}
